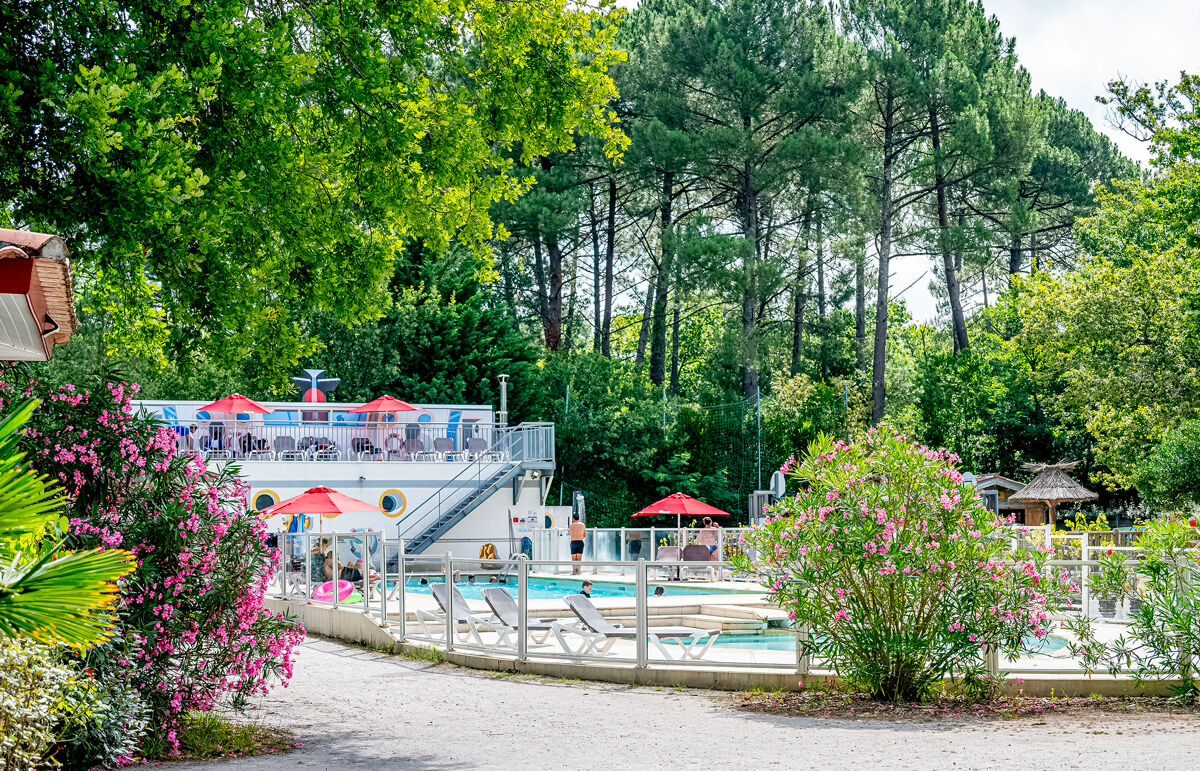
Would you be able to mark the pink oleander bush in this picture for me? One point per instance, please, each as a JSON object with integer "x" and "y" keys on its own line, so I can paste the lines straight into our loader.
{"x": 194, "y": 630}
{"x": 899, "y": 573}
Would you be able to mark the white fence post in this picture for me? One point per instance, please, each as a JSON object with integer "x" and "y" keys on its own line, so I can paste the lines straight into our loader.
{"x": 522, "y": 608}
{"x": 802, "y": 660}
{"x": 1085, "y": 554}
{"x": 400, "y": 594}
{"x": 336, "y": 572}
{"x": 366, "y": 573}
{"x": 642, "y": 616}
{"x": 448, "y": 571}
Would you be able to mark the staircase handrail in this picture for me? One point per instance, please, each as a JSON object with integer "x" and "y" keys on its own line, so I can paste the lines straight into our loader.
{"x": 527, "y": 441}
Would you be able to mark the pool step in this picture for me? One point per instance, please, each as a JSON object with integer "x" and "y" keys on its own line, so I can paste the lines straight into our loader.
{"x": 698, "y": 621}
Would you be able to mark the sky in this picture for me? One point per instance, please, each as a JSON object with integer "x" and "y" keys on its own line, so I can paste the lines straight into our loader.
{"x": 1072, "y": 48}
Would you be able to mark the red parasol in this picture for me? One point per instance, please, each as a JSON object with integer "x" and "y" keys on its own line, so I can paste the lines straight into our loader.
{"x": 679, "y": 505}
{"x": 235, "y": 404}
{"x": 323, "y": 501}
{"x": 385, "y": 404}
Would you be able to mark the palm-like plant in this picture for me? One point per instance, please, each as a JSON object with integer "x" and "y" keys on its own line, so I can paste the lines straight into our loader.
{"x": 54, "y": 599}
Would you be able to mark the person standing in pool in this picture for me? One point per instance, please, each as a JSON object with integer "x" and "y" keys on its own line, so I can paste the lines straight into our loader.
{"x": 586, "y": 589}
{"x": 659, "y": 591}
{"x": 578, "y": 533}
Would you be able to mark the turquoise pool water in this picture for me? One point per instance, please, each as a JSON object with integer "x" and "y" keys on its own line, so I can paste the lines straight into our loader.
{"x": 786, "y": 641}
{"x": 556, "y": 588}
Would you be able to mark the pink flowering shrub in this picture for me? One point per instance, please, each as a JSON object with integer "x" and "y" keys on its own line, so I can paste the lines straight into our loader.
{"x": 897, "y": 570}
{"x": 193, "y": 626}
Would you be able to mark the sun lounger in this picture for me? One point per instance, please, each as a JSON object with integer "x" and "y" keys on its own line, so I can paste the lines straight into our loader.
{"x": 696, "y": 552}
{"x": 599, "y": 633}
{"x": 505, "y": 608}
{"x": 462, "y": 615}
{"x": 668, "y": 554}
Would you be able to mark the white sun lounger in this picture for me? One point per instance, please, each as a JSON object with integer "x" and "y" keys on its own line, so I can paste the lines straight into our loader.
{"x": 599, "y": 633}
{"x": 463, "y": 615}
{"x": 505, "y": 608}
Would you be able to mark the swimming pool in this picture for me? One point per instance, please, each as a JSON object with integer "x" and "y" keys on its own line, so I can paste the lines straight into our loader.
{"x": 557, "y": 588}
{"x": 786, "y": 641}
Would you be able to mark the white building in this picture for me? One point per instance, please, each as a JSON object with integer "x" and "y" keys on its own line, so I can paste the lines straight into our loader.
{"x": 450, "y": 478}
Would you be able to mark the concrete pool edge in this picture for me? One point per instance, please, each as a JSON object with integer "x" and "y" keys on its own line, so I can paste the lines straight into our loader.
{"x": 351, "y": 625}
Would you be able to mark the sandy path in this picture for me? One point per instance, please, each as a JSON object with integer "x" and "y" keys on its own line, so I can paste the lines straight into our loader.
{"x": 355, "y": 709}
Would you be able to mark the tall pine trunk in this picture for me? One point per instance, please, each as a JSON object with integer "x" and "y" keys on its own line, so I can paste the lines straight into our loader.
{"x": 609, "y": 247}
{"x": 658, "y": 327}
{"x": 799, "y": 297}
{"x": 552, "y": 319}
{"x": 594, "y": 224}
{"x": 644, "y": 324}
{"x": 675, "y": 331}
{"x": 1014, "y": 257}
{"x": 510, "y": 295}
{"x": 957, "y": 321}
{"x": 860, "y": 310}
{"x": 569, "y": 321}
{"x": 750, "y": 288}
{"x": 823, "y": 327}
{"x": 539, "y": 274}
{"x": 879, "y": 364}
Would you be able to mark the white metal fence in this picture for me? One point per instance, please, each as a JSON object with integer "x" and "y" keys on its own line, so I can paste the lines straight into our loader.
{"x": 626, "y": 545}
{"x": 377, "y": 578}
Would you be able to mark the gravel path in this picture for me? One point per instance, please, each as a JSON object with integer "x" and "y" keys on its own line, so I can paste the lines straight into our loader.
{"x": 355, "y": 709}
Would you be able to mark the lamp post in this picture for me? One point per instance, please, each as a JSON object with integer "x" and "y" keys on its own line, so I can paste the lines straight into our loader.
{"x": 502, "y": 417}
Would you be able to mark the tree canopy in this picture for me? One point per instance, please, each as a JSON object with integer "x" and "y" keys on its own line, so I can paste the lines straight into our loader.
{"x": 689, "y": 215}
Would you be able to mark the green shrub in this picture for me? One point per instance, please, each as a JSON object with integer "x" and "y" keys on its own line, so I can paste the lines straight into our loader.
{"x": 1164, "y": 636}
{"x": 896, "y": 568}
{"x": 104, "y": 719}
{"x": 32, "y": 689}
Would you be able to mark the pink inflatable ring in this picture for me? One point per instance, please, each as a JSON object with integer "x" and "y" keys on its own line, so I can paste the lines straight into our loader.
{"x": 324, "y": 592}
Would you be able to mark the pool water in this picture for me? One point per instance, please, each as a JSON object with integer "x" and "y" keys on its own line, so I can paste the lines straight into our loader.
{"x": 786, "y": 641}
{"x": 555, "y": 588}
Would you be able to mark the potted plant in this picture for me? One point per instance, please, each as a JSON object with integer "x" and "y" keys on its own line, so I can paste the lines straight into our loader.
{"x": 1135, "y": 596}
{"x": 1109, "y": 581}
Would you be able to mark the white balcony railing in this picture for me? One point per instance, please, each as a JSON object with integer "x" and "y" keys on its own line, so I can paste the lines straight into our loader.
{"x": 302, "y": 441}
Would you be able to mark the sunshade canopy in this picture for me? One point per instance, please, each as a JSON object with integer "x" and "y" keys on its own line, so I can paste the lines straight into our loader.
{"x": 235, "y": 404}
{"x": 385, "y": 404}
{"x": 680, "y": 505}
{"x": 323, "y": 501}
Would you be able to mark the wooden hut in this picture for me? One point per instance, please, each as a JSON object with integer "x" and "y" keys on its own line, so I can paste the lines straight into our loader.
{"x": 995, "y": 489}
{"x": 1050, "y": 486}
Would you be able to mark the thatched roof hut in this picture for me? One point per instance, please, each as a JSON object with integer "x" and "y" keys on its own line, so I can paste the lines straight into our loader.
{"x": 1052, "y": 485}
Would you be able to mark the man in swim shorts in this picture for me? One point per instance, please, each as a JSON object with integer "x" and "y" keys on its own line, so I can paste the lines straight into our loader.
{"x": 578, "y": 533}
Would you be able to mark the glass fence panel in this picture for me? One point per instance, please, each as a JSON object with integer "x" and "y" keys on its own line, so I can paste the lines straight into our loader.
{"x": 630, "y": 613}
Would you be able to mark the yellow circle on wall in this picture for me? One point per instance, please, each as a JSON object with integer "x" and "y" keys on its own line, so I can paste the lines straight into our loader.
{"x": 274, "y": 496}
{"x": 398, "y": 501}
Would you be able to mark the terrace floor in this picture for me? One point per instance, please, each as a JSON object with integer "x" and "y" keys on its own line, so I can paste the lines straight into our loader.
{"x": 355, "y": 709}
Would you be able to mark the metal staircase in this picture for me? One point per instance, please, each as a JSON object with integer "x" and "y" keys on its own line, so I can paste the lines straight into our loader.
{"x": 527, "y": 446}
